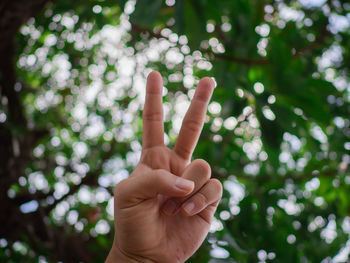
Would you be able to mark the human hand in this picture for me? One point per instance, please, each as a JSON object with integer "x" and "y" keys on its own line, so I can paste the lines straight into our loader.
{"x": 164, "y": 209}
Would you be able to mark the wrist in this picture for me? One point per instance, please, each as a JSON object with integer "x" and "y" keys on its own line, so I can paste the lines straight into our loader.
{"x": 117, "y": 256}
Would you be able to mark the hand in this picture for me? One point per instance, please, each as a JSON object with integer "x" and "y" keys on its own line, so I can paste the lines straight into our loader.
{"x": 164, "y": 209}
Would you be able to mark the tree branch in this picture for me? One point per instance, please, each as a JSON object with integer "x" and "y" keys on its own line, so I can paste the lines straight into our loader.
{"x": 319, "y": 42}
{"x": 247, "y": 61}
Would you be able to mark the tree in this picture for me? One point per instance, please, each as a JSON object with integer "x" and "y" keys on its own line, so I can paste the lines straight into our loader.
{"x": 277, "y": 134}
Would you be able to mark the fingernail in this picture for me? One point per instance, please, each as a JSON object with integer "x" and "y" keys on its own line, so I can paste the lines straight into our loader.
{"x": 183, "y": 184}
{"x": 189, "y": 207}
{"x": 169, "y": 207}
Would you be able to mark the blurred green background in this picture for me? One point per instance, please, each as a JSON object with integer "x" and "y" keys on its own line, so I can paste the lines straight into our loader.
{"x": 277, "y": 134}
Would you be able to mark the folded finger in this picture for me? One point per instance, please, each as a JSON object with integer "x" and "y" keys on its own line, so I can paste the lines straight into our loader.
{"x": 198, "y": 172}
{"x": 209, "y": 194}
{"x": 134, "y": 190}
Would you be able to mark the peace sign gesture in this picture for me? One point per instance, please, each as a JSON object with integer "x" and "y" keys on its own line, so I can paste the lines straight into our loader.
{"x": 164, "y": 209}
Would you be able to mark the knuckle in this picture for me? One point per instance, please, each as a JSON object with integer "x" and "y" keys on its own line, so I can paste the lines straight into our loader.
{"x": 204, "y": 167}
{"x": 201, "y": 199}
{"x": 152, "y": 115}
{"x": 193, "y": 125}
{"x": 217, "y": 186}
{"x": 158, "y": 175}
{"x": 184, "y": 150}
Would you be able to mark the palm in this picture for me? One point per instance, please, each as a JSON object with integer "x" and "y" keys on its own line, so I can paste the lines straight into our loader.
{"x": 168, "y": 233}
{"x": 149, "y": 231}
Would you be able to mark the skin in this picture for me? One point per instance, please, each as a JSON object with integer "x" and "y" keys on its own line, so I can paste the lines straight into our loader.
{"x": 164, "y": 209}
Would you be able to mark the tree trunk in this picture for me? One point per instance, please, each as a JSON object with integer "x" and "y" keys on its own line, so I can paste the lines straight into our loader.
{"x": 16, "y": 146}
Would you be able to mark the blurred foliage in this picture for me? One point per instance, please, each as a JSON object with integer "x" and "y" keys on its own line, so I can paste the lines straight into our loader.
{"x": 277, "y": 133}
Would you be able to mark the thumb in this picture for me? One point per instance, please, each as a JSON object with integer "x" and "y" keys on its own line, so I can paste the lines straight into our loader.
{"x": 133, "y": 191}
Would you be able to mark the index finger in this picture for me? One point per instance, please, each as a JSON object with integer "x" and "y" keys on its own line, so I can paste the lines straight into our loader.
{"x": 153, "y": 129}
{"x": 193, "y": 122}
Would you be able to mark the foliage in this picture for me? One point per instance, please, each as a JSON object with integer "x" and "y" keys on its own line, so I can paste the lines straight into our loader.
{"x": 277, "y": 132}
